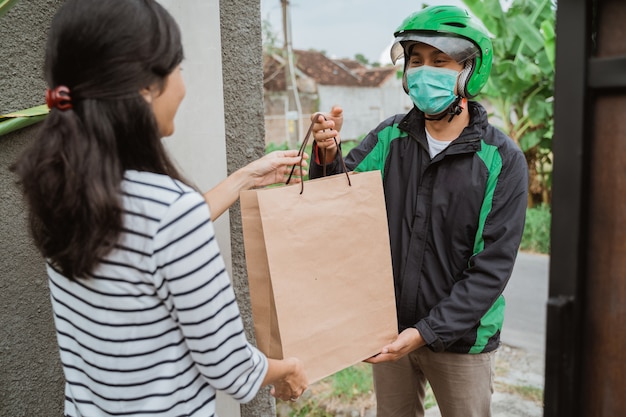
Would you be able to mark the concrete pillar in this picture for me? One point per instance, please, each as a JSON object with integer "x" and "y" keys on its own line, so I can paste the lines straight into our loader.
{"x": 242, "y": 72}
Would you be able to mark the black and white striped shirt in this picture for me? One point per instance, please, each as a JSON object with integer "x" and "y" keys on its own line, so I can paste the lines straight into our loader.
{"x": 157, "y": 329}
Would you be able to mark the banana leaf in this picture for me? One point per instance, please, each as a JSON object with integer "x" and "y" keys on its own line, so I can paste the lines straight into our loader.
{"x": 21, "y": 119}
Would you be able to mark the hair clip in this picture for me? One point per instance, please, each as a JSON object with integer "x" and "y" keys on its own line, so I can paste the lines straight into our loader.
{"x": 59, "y": 97}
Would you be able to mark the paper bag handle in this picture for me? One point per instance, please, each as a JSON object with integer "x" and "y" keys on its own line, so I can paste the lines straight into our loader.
{"x": 301, "y": 154}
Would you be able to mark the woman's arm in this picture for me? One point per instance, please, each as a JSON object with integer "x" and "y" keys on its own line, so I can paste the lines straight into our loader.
{"x": 270, "y": 169}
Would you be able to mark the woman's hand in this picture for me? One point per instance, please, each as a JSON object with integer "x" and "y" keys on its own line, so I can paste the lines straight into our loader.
{"x": 406, "y": 342}
{"x": 287, "y": 378}
{"x": 272, "y": 168}
{"x": 275, "y": 168}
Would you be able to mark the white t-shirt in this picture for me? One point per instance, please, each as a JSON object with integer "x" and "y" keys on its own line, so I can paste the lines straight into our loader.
{"x": 435, "y": 146}
{"x": 156, "y": 331}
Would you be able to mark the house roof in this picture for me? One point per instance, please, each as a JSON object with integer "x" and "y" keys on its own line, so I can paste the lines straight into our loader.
{"x": 323, "y": 70}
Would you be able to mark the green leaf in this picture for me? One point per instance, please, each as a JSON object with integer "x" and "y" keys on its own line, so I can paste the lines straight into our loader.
{"x": 490, "y": 13}
{"x": 528, "y": 33}
{"x": 526, "y": 69}
{"x": 530, "y": 140}
{"x": 5, "y": 5}
{"x": 22, "y": 118}
{"x": 11, "y": 125}
{"x": 33, "y": 111}
{"x": 538, "y": 111}
{"x": 549, "y": 36}
{"x": 544, "y": 64}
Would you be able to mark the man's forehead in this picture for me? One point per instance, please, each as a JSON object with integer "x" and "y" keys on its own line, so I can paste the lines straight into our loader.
{"x": 419, "y": 48}
{"x": 457, "y": 48}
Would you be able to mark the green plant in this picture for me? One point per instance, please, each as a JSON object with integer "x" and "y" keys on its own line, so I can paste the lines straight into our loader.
{"x": 536, "y": 237}
{"x": 521, "y": 85}
{"x": 309, "y": 409}
{"x": 5, "y": 5}
{"x": 21, "y": 119}
{"x": 353, "y": 381}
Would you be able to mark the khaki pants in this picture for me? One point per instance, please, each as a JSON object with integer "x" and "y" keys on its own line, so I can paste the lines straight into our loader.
{"x": 462, "y": 384}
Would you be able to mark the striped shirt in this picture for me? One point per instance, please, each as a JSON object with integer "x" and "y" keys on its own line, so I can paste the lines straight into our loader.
{"x": 156, "y": 330}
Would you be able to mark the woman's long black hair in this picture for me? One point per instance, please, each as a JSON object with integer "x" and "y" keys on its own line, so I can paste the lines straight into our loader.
{"x": 105, "y": 52}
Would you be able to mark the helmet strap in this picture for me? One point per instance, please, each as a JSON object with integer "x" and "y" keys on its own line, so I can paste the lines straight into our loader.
{"x": 454, "y": 109}
{"x": 457, "y": 107}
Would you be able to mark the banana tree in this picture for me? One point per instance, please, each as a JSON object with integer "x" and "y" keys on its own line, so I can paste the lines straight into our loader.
{"x": 521, "y": 85}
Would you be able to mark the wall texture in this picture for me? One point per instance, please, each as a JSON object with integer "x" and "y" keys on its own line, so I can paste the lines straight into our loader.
{"x": 242, "y": 70}
{"x": 31, "y": 381}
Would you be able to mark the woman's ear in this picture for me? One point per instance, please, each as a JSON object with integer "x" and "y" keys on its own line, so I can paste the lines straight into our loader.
{"x": 147, "y": 94}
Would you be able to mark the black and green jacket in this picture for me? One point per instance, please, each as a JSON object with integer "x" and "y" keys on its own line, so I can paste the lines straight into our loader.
{"x": 455, "y": 225}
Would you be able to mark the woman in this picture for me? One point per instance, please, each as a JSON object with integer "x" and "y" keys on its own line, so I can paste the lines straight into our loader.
{"x": 146, "y": 319}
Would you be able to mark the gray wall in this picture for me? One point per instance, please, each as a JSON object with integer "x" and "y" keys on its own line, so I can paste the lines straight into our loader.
{"x": 31, "y": 380}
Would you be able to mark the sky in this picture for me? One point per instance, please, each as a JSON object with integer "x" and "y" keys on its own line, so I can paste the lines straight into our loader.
{"x": 344, "y": 28}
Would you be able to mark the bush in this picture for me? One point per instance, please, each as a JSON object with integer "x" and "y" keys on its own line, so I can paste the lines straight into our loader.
{"x": 536, "y": 237}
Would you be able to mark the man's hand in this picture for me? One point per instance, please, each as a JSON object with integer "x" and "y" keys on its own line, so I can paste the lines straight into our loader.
{"x": 326, "y": 131}
{"x": 407, "y": 341}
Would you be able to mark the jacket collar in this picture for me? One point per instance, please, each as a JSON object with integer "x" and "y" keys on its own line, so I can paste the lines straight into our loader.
{"x": 413, "y": 124}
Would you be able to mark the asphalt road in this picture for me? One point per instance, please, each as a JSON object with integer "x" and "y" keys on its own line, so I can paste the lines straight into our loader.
{"x": 526, "y": 296}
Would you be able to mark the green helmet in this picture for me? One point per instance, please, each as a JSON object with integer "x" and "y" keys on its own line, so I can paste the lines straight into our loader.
{"x": 453, "y": 31}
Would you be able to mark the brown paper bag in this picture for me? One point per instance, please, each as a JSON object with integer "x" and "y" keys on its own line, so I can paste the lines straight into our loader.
{"x": 319, "y": 269}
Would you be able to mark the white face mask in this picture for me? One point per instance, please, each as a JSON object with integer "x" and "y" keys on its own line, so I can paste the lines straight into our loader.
{"x": 432, "y": 88}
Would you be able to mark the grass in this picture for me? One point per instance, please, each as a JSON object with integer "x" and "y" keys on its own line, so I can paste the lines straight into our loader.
{"x": 349, "y": 389}
{"x": 352, "y": 382}
{"x": 528, "y": 392}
